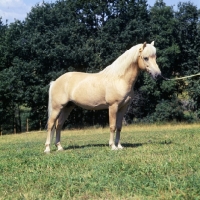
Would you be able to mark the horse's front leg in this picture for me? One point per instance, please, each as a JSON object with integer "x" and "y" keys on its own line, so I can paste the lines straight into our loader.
{"x": 112, "y": 123}
{"x": 120, "y": 116}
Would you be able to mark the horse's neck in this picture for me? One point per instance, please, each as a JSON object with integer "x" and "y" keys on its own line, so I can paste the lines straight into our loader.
{"x": 131, "y": 74}
{"x": 125, "y": 67}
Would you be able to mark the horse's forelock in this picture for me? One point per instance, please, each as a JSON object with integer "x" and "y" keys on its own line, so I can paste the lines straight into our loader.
{"x": 149, "y": 50}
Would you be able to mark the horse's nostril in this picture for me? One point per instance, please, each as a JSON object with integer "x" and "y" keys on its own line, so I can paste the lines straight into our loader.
{"x": 158, "y": 75}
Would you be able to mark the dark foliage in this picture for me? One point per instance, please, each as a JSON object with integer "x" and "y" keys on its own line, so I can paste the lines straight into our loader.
{"x": 77, "y": 36}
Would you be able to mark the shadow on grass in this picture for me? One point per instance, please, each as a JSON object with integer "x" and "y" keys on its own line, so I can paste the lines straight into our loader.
{"x": 132, "y": 145}
{"x": 83, "y": 146}
{"x": 125, "y": 145}
{"x": 165, "y": 142}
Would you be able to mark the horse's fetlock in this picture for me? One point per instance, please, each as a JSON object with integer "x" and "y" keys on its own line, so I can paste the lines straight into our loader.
{"x": 57, "y": 144}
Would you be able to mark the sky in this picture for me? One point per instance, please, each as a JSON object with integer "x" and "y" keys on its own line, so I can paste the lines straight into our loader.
{"x": 17, "y": 9}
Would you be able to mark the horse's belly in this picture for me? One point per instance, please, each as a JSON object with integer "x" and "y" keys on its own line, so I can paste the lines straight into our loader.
{"x": 91, "y": 106}
{"x": 91, "y": 101}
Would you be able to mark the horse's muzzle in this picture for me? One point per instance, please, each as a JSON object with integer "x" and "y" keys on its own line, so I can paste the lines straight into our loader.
{"x": 156, "y": 76}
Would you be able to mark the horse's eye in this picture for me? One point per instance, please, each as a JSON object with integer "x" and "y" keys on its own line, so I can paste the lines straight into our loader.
{"x": 146, "y": 58}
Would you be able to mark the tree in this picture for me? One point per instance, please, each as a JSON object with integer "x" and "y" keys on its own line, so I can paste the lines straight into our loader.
{"x": 162, "y": 27}
{"x": 188, "y": 37}
{"x": 88, "y": 36}
{"x": 11, "y": 86}
{"x": 11, "y": 96}
{"x": 3, "y": 29}
{"x": 76, "y": 36}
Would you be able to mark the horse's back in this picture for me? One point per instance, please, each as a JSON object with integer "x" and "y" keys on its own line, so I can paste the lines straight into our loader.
{"x": 84, "y": 89}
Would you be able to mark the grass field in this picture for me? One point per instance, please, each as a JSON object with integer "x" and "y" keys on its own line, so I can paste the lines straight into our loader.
{"x": 158, "y": 162}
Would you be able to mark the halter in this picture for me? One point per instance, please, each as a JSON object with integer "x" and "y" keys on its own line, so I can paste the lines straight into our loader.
{"x": 140, "y": 51}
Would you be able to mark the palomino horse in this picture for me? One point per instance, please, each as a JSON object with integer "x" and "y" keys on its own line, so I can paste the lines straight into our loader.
{"x": 111, "y": 88}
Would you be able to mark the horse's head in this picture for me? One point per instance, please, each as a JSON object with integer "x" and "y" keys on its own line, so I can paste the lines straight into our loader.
{"x": 147, "y": 59}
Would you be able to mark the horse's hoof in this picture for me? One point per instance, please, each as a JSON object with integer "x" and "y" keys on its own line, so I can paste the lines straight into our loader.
{"x": 120, "y": 147}
{"x": 114, "y": 148}
{"x": 60, "y": 149}
{"x": 46, "y": 152}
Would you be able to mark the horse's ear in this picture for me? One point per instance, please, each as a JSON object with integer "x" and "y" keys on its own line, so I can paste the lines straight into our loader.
{"x": 144, "y": 45}
{"x": 152, "y": 43}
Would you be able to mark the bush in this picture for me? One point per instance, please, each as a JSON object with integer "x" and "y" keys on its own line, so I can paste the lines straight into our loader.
{"x": 168, "y": 110}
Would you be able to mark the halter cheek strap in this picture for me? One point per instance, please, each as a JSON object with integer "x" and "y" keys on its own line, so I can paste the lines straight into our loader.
{"x": 140, "y": 51}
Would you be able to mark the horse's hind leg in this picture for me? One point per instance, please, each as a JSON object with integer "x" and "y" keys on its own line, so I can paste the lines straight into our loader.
{"x": 51, "y": 128}
{"x": 59, "y": 124}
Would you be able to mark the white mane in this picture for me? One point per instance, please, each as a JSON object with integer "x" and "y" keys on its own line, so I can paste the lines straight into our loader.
{"x": 120, "y": 65}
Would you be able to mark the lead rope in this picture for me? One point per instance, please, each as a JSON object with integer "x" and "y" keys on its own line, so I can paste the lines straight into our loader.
{"x": 174, "y": 79}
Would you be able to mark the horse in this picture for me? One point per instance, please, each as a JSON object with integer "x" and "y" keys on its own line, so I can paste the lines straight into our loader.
{"x": 111, "y": 88}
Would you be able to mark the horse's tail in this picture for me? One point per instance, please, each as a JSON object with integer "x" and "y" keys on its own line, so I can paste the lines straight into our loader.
{"x": 50, "y": 109}
{"x": 50, "y": 99}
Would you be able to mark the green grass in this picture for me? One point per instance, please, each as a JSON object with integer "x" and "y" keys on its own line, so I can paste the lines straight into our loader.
{"x": 158, "y": 162}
